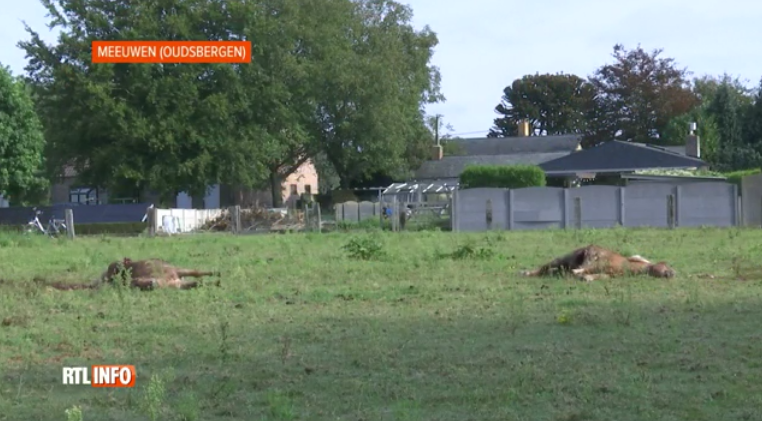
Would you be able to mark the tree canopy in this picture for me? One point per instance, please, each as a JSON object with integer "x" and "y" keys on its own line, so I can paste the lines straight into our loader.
{"x": 21, "y": 141}
{"x": 634, "y": 98}
{"x": 553, "y": 104}
{"x": 342, "y": 82}
{"x": 637, "y": 96}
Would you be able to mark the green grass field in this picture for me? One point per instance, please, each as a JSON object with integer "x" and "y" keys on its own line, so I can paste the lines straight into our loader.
{"x": 434, "y": 326}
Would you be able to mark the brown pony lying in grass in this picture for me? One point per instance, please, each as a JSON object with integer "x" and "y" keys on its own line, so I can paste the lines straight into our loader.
{"x": 593, "y": 262}
{"x": 143, "y": 274}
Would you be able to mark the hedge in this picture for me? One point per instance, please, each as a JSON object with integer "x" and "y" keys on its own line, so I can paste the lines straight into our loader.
{"x": 502, "y": 176}
{"x": 736, "y": 176}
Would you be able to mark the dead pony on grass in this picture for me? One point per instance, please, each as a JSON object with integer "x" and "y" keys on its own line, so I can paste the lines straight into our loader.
{"x": 145, "y": 274}
{"x": 593, "y": 262}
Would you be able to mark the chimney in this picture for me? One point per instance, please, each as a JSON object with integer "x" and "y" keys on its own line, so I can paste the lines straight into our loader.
{"x": 523, "y": 128}
{"x": 693, "y": 143}
{"x": 437, "y": 153}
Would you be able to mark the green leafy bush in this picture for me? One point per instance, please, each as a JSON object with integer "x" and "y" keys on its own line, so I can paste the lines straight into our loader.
{"x": 736, "y": 176}
{"x": 367, "y": 248}
{"x": 502, "y": 176}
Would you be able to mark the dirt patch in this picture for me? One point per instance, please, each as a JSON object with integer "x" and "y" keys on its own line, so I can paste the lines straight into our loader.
{"x": 20, "y": 321}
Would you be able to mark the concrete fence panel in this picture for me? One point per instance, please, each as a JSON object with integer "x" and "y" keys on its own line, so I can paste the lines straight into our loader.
{"x": 600, "y": 206}
{"x": 751, "y": 194}
{"x": 538, "y": 207}
{"x": 368, "y": 210}
{"x": 711, "y": 204}
{"x": 481, "y": 209}
{"x": 645, "y": 205}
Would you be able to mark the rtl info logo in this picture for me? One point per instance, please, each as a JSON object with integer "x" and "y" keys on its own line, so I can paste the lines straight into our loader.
{"x": 100, "y": 375}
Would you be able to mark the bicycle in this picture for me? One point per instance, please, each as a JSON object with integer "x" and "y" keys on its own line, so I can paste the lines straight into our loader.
{"x": 54, "y": 228}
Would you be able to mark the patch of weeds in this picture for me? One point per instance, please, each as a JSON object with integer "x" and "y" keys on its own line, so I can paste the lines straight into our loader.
{"x": 370, "y": 224}
{"x": 6, "y": 242}
{"x": 583, "y": 235}
{"x": 745, "y": 266}
{"x": 565, "y": 317}
{"x": 225, "y": 386}
{"x": 694, "y": 295}
{"x": 622, "y": 308}
{"x": 366, "y": 248}
{"x": 517, "y": 313}
{"x": 494, "y": 238}
{"x": 406, "y": 410}
{"x": 188, "y": 408}
{"x": 469, "y": 251}
{"x": 153, "y": 397}
{"x": 224, "y": 347}
{"x": 280, "y": 406}
{"x": 285, "y": 349}
{"x": 74, "y": 413}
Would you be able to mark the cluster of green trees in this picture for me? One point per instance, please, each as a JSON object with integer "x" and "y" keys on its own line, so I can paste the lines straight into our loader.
{"x": 641, "y": 97}
{"x": 21, "y": 141}
{"x": 341, "y": 82}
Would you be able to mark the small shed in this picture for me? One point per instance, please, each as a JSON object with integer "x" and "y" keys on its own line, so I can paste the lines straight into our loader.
{"x": 419, "y": 192}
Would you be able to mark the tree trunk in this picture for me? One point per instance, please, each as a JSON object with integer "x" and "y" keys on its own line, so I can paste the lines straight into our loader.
{"x": 276, "y": 189}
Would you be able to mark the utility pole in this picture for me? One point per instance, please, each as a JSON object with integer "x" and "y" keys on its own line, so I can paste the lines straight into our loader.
{"x": 436, "y": 128}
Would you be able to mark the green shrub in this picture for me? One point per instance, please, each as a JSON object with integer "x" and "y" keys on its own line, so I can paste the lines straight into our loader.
{"x": 502, "y": 176}
{"x": 366, "y": 248}
{"x": 370, "y": 224}
{"x": 736, "y": 176}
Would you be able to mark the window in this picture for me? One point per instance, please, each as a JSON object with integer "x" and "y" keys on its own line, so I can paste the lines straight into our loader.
{"x": 83, "y": 195}
{"x": 293, "y": 189}
{"x": 308, "y": 189}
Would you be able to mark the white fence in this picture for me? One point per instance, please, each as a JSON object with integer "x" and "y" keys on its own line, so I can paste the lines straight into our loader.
{"x": 175, "y": 221}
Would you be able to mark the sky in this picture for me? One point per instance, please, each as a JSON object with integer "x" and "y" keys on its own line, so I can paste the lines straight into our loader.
{"x": 486, "y": 44}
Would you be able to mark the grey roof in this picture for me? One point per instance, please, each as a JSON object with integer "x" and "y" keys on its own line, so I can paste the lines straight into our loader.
{"x": 517, "y": 145}
{"x": 530, "y": 150}
{"x": 452, "y": 166}
{"x": 616, "y": 156}
{"x": 671, "y": 177}
{"x": 675, "y": 149}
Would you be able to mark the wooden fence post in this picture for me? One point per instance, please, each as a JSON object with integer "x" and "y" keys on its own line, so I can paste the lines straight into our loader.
{"x": 489, "y": 214}
{"x": 319, "y": 217}
{"x": 622, "y": 195}
{"x": 306, "y": 210}
{"x": 151, "y": 211}
{"x": 671, "y": 211}
{"x": 402, "y": 215}
{"x": 394, "y": 217}
{"x": 235, "y": 218}
{"x": 739, "y": 212}
{"x": 69, "y": 220}
{"x": 578, "y": 213}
